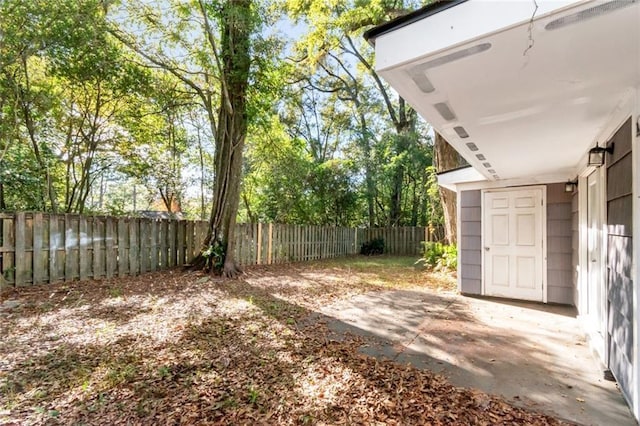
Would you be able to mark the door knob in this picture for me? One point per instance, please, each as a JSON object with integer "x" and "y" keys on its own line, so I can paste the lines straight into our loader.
{"x": 486, "y": 249}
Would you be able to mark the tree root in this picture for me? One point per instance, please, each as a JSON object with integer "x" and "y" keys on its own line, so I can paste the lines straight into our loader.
{"x": 231, "y": 270}
{"x": 197, "y": 264}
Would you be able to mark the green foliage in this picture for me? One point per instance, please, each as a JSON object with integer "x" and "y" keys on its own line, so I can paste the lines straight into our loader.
{"x": 111, "y": 107}
{"x": 373, "y": 247}
{"x": 253, "y": 395}
{"x": 214, "y": 256}
{"x": 439, "y": 257}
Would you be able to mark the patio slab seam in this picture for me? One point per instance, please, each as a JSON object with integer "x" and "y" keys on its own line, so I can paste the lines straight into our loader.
{"x": 422, "y": 328}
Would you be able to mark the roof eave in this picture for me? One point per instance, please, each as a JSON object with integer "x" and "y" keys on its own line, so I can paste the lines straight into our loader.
{"x": 438, "y": 6}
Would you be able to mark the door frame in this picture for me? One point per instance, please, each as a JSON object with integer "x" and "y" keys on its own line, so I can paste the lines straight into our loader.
{"x": 543, "y": 218}
{"x": 600, "y": 346}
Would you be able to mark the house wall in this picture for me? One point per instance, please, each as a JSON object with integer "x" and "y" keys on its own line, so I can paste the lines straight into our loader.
{"x": 559, "y": 244}
{"x": 560, "y": 284}
{"x": 620, "y": 258}
{"x": 470, "y": 242}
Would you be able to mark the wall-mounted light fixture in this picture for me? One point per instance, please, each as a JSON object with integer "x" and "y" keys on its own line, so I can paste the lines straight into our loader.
{"x": 596, "y": 155}
{"x": 571, "y": 185}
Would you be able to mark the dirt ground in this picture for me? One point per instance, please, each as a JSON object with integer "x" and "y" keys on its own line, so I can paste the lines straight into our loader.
{"x": 183, "y": 348}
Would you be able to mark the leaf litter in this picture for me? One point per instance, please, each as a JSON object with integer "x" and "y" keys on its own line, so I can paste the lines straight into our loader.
{"x": 183, "y": 348}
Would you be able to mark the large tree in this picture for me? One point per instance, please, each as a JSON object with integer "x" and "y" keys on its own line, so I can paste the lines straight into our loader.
{"x": 61, "y": 78}
{"x": 447, "y": 158}
{"x": 208, "y": 47}
{"x": 238, "y": 23}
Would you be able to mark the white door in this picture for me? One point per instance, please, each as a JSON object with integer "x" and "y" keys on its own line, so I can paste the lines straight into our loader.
{"x": 513, "y": 244}
{"x": 596, "y": 296}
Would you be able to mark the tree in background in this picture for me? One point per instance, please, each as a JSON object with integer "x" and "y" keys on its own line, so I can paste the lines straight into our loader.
{"x": 447, "y": 158}
{"x": 334, "y": 59}
{"x": 112, "y": 107}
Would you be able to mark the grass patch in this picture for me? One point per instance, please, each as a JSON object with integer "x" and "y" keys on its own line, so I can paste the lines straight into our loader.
{"x": 374, "y": 263}
{"x": 390, "y": 272}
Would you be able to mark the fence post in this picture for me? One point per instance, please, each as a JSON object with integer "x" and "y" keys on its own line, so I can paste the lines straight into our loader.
{"x": 83, "y": 252}
{"x": 110, "y": 258}
{"x": 38, "y": 264}
{"x": 19, "y": 249}
{"x": 181, "y": 242}
{"x": 143, "y": 253}
{"x": 97, "y": 236}
{"x": 172, "y": 243}
{"x": 153, "y": 246}
{"x": 355, "y": 240}
{"x": 259, "y": 257}
{"x": 270, "y": 245}
{"x": 133, "y": 247}
{"x": 54, "y": 239}
{"x": 164, "y": 228}
{"x": 122, "y": 260}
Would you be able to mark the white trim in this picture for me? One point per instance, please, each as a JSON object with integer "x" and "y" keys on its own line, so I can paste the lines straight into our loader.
{"x": 482, "y": 250}
{"x": 454, "y": 29}
{"x": 604, "y": 244}
{"x": 514, "y": 183}
{"x": 543, "y": 219}
{"x": 451, "y": 179}
{"x": 545, "y": 290}
{"x": 582, "y": 247}
{"x": 599, "y": 345}
{"x": 635, "y": 265}
{"x": 459, "y": 239}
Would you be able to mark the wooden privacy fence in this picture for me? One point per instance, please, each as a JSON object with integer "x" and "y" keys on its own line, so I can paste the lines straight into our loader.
{"x": 39, "y": 248}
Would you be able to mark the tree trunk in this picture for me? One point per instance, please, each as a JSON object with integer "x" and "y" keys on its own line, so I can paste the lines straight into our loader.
{"x": 405, "y": 126}
{"x": 3, "y": 206}
{"x": 235, "y": 56}
{"x": 202, "y": 174}
{"x": 447, "y": 158}
{"x": 365, "y": 141}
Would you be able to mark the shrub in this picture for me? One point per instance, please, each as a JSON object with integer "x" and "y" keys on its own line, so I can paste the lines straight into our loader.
{"x": 375, "y": 246}
{"x": 214, "y": 256}
{"x": 439, "y": 257}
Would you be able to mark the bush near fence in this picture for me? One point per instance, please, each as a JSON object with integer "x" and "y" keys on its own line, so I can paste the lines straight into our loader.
{"x": 39, "y": 248}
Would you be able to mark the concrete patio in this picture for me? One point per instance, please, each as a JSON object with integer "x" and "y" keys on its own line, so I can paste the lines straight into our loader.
{"x": 532, "y": 354}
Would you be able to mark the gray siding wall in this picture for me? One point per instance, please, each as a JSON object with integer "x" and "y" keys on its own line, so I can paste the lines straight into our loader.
{"x": 560, "y": 287}
{"x": 559, "y": 244}
{"x": 469, "y": 245}
{"x": 619, "y": 259}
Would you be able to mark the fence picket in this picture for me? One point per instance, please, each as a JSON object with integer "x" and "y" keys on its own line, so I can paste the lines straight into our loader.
{"x": 153, "y": 245}
{"x": 110, "y": 250}
{"x": 164, "y": 228}
{"x": 122, "y": 248}
{"x": 144, "y": 246}
{"x": 83, "y": 252}
{"x": 97, "y": 233}
{"x": 20, "y": 250}
{"x": 134, "y": 266}
{"x": 181, "y": 242}
{"x": 54, "y": 245}
{"x": 38, "y": 248}
{"x": 38, "y": 260}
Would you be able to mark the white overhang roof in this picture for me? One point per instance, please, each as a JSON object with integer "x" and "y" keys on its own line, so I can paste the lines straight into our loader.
{"x": 519, "y": 92}
{"x": 451, "y": 178}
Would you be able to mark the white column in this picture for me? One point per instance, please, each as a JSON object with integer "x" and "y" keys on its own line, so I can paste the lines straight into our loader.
{"x": 459, "y": 235}
{"x": 635, "y": 271}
